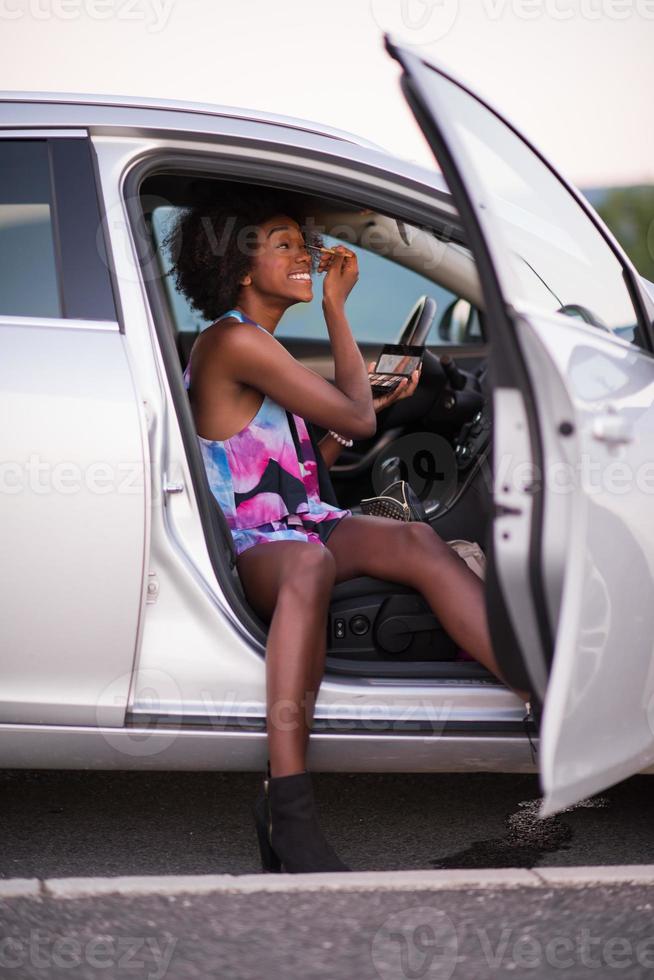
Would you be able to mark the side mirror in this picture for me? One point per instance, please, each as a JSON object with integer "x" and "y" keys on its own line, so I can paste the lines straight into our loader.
{"x": 453, "y": 325}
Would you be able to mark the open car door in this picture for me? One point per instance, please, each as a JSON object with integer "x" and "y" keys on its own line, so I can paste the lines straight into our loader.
{"x": 573, "y": 443}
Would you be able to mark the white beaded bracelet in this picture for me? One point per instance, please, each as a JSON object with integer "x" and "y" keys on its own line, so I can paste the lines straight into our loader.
{"x": 343, "y": 442}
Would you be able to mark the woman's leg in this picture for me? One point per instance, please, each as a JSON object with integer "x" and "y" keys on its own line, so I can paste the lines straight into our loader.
{"x": 413, "y": 554}
{"x": 290, "y": 583}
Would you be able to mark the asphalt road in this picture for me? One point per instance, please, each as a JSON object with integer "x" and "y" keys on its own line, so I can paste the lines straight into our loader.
{"x": 61, "y": 824}
{"x": 600, "y": 931}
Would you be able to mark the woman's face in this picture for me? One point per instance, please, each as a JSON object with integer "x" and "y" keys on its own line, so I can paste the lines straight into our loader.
{"x": 281, "y": 266}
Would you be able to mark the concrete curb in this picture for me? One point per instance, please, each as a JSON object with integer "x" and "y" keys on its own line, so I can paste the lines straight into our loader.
{"x": 20, "y": 888}
{"x": 634, "y": 874}
{"x": 333, "y": 881}
{"x": 359, "y": 881}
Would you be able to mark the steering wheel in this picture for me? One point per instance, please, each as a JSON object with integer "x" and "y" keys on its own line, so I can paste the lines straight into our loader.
{"x": 418, "y": 323}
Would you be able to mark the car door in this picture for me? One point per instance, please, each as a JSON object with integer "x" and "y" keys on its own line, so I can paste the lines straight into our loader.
{"x": 73, "y": 494}
{"x": 573, "y": 389}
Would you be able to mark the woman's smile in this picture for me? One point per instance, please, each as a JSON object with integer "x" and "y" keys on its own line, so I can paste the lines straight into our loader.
{"x": 302, "y": 277}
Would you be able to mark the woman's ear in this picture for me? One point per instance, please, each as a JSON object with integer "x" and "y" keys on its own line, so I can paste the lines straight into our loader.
{"x": 246, "y": 280}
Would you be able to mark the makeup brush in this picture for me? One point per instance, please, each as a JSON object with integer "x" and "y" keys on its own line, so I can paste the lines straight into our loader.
{"x": 318, "y": 248}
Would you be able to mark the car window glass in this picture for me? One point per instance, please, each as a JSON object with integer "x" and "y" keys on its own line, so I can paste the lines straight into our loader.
{"x": 186, "y": 318}
{"x": 28, "y": 277}
{"x": 377, "y": 306}
{"x": 560, "y": 258}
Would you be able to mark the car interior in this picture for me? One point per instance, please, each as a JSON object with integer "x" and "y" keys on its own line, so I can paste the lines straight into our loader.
{"x": 417, "y": 285}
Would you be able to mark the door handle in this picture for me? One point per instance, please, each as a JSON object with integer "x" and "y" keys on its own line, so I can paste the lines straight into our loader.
{"x": 612, "y": 429}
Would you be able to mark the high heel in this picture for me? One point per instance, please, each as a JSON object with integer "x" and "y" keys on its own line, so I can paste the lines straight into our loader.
{"x": 290, "y": 838}
{"x": 269, "y": 860}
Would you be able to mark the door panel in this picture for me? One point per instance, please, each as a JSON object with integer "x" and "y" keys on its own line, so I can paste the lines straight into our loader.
{"x": 598, "y": 722}
{"x": 585, "y": 552}
{"x": 73, "y": 518}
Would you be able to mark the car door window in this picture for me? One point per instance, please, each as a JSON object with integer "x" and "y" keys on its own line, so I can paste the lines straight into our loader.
{"x": 560, "y": 259}
{"x": 378, "y": 305}
{"x": 28, "y": 273}
{"x": 376, "y": 308}
{"x": 187, "y": 320}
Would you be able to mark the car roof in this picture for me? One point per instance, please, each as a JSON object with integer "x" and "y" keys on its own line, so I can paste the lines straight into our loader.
{"x": 179, "y": 105}
{"x": 149, "y": 117}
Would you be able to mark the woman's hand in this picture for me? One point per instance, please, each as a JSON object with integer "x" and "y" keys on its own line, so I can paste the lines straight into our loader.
{"x": 342, "y": 273}
{"x": 405, "y": 389}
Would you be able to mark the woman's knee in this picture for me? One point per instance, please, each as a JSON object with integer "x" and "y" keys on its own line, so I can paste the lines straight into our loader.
{"x": 415, "y": 546}
{"x": 422, "y": 544}
{"x": 312, "y": 571}
{"x": 419, "y": 536}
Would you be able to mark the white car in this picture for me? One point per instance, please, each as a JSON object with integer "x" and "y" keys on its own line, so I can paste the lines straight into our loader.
{"x": 126, "y": 637}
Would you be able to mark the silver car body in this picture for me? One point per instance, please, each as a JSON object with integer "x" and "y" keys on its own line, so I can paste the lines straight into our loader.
{"x": 124, "y": 650}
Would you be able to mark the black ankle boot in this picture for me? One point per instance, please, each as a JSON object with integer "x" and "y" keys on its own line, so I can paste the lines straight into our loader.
{"x": 290, "y": 838}
{"x": 269, "y": 861}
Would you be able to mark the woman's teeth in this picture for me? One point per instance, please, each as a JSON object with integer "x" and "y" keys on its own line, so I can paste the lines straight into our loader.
{"x": 302, "y": 276}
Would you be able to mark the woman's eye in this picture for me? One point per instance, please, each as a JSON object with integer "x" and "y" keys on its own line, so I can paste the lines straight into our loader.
{"x": 302, "y": 248}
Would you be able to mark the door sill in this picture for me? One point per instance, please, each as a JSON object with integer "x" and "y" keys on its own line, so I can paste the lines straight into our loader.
{"x": 429, "y": 669}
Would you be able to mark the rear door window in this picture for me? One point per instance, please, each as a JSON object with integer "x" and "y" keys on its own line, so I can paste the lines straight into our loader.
{"x": 28, "y": 271}
{"x": 53, "y": 257}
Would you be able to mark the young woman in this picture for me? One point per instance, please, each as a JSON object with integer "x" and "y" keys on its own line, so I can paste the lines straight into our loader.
{"x": 242, "y": 263}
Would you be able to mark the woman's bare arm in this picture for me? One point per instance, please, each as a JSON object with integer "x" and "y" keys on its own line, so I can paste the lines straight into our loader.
{"x": 330, "y": 449}
{"x": 247, "y": 354}
{"x": 350, "y": 372}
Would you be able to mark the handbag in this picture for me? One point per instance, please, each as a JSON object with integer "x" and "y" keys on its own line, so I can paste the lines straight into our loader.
{"x": 398, "y": 501}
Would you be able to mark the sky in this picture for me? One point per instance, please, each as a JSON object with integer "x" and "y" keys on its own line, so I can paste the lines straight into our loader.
{"x": 574, "y": 75}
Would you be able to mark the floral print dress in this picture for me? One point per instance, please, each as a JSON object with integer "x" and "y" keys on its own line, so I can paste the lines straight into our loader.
{"x": 265, "y": 476}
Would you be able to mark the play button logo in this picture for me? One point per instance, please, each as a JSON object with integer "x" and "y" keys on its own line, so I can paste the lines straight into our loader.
{"x": 417, "y": 21}
{"x": 419, "y": 943}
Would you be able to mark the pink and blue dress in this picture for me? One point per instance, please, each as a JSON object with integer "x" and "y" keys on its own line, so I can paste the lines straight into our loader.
{"x": 265, "y": 476}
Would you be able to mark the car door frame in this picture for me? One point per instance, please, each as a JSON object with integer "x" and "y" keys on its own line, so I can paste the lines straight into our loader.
{"x": 409, "y": 200}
